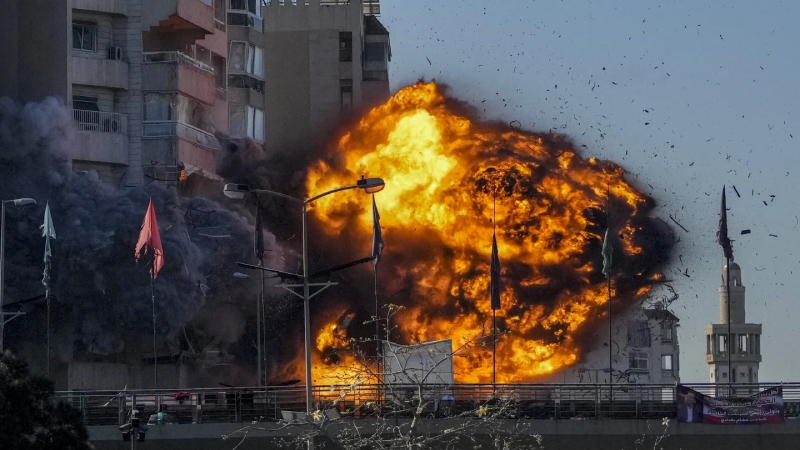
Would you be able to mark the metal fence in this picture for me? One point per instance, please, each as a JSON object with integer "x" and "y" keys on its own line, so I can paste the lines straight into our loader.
{"x": 177, "y": 57}
{"x": 155, "y": 129}
{"x": 526, "y": 401}
{"x": 104, "y": 122}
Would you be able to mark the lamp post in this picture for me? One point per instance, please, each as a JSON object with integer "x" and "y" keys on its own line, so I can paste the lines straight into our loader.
{"x": 16, "y": 202}
{"x": 238, "y": 191}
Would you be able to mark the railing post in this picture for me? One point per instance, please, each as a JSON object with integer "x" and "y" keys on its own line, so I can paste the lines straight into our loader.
{"x": 237, "y": 405}
{"x": 597, "y": 399}
{"x": 121, "y": 403}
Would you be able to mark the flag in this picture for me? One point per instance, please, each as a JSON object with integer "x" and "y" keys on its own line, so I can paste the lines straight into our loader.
{"x": 377, "y": 238}
{"x": 495, "y": 284}
{"x": 149, "y": 237}
{"x": 722, "y": 233}
{"x": 259, "y": 238}
{"x": 608, "y": 253}
{"x": 48, "y": 232}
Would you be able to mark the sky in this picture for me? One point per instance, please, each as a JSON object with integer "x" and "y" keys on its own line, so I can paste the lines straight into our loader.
{"x": 687, "y": 96}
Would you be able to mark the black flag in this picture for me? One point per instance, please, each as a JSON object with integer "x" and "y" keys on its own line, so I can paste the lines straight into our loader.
{"x": 377, "y": 238}
{"x": 495, "y": 283}
{"x": 259, "y": 237}
{"x": 722, "y": 233}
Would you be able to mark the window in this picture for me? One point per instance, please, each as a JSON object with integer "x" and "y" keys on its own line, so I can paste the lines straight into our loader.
{"x": 255, "y": 124}
{"x": 250, "y": 6}
{"x": 84, "y": 103}
{"x": 666, "y": 332}
{"x": 258, "y": 63}
{"x": 638, "y": 333}
{"x": 237, "y": 56}
{"x": 638, "y": 361}
{"x": 375, "y": 52}
{"x": 245, "y": 13}
{"x": 722, "y": 342}
{"x": 159, "y": 107}
{"x": 84, "y": 36}
{"x": 220, "y": 72}
{"x": 237, "y": 123}
{"x": 743, "y": 343}
{"x": 247, "y": 58}
{"x": 345, "y": 46}
{"x": 247, "y": 121}
{"x": 666, "y": 363}
{"x": 86, "y": 112}
{"x": 346, "y": 94}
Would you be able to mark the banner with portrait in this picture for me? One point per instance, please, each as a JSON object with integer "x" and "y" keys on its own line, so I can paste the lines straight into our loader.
{"x": 763, "y": 407}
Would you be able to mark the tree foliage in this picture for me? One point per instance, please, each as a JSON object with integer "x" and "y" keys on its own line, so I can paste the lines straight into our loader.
{"x": 28, "y": 420}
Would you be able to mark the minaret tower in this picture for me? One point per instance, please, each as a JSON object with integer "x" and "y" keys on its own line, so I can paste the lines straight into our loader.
{"x": 745, "y": 337}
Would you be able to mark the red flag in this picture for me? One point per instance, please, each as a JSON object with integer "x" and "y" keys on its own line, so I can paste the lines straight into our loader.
{"x": 149, "y": 237}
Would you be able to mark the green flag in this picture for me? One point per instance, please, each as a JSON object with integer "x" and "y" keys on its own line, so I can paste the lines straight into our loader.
{"x": 608, "y": 252}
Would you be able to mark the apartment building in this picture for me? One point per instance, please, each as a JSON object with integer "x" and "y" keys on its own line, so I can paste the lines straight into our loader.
{"x": 644, "y": 350}
{"x": 150, "y": 82}
{"x": 138, "y": 75}
{"x": 322, "y": 60}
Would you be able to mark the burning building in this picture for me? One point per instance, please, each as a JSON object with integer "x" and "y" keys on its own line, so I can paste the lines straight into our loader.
{"x": 448, "y": 179}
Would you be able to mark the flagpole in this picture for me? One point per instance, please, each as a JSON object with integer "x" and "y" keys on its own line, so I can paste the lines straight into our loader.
{"x": 608, "y": 278}
{"x": 494, "y": 312}
{"x": 728, "y": 296}
{"x": 153, "y": 298}
{"x": 48, "y": 334}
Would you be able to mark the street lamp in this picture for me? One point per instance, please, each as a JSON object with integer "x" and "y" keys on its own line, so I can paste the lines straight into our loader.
{"x": 238, "y": 191}
{"x": 16, "y": 202}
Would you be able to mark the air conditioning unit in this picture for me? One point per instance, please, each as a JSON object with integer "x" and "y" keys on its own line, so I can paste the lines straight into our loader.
{"x": 115, "y": 53}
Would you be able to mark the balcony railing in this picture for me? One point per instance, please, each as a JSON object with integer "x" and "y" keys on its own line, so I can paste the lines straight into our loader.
{"x": 177, "y": 57}
{"x": 104, "y": 122}
{"x": 529, "y": 401}
{"x": 155, "y": 129}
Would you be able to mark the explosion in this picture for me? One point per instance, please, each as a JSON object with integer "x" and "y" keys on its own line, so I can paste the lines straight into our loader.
{"x": 450, "y": 182}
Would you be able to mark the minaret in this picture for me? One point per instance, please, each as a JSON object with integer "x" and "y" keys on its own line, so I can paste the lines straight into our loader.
{"x": 745, "y": 337}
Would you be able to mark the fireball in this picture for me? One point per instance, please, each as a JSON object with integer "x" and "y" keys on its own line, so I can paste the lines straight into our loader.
{"x": 451, "y": 183}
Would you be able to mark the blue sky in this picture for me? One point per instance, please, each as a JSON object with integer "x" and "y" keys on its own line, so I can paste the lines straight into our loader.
{"x": 686, "y": 95}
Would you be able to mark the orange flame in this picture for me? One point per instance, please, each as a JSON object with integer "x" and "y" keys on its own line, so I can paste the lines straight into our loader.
{"x": 445, "y": 176}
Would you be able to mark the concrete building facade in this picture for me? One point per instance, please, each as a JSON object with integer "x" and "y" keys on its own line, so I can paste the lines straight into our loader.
{"x": 323, "y": 59}
{"x": 745, "y": 345}
{"x": 644, "y": 350}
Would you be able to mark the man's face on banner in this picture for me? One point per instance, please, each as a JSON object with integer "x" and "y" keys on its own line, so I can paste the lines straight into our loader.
{"x": 689, "y": 399}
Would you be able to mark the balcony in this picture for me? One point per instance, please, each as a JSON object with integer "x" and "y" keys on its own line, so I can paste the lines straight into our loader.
{"x": 176, "y": 71}
{"x": 181, "y": 142}
{"x": 179, "y": 16}
{"x": 103, "y": 72}
{"x": 103, "y": 122}
{"x": 102, "y": 137}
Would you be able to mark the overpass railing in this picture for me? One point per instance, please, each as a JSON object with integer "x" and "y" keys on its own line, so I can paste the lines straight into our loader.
{"x": 527, "y": 401}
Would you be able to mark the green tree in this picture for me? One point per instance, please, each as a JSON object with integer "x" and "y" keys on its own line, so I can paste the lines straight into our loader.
{"x": 28, "y": 421}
